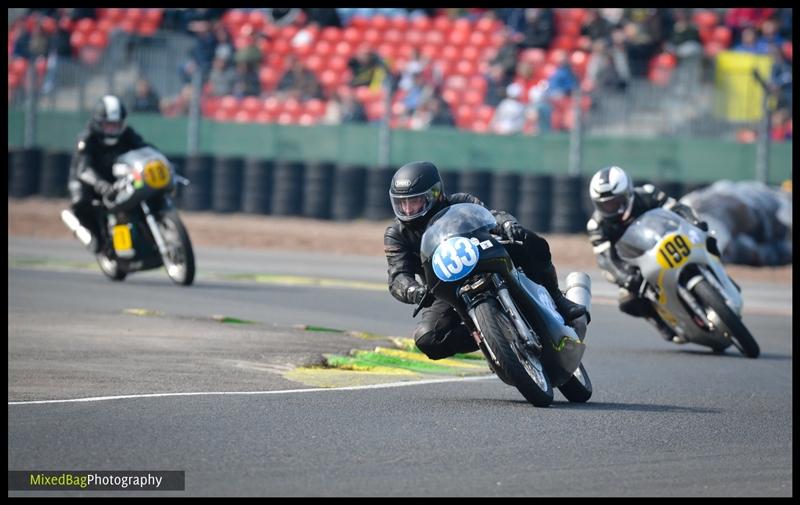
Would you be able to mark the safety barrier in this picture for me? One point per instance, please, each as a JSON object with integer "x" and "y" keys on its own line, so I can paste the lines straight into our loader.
{"x": 325, "y": 190}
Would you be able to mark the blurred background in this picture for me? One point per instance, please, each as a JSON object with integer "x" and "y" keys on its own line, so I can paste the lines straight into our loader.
{"x": 307, "y": 112}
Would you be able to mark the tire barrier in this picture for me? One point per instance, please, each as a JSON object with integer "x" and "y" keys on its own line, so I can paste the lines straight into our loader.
{"x": 317, "y": 190}
{"x": 199, "y": 170}
{"x": 287, "y": 188}
{"x": 226, "y": 189}
{"x": 377, "y": 205}
{"x": 349, "y": 192}
{"x": 25, "y": 168}
{"x": 257, "y": 186}
{"x": 449, "y": 181}
{"x": 178, "y": 162}
{"x": 478, "y": 183}
{"x": 505, "y": 192}
{"x": 534, "y": 203}
{"x": 671, "y": 188}
{"x": 568, "y": 203}
{"x": 54, "y": 175}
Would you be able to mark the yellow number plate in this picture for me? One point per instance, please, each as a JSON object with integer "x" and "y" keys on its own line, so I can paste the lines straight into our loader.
{"x": 673, "y": 250}
{"x": 156, "y": 174}
{"x": 122, "y": 238}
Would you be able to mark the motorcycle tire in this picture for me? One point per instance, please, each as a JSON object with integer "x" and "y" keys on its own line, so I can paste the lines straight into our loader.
{"x": 173, "y": 231}
{"x": 110, "y": 268}
{"x": 739, "y": 334}
{"x": 578, "y": 389}
{"x": 500, "y": 336}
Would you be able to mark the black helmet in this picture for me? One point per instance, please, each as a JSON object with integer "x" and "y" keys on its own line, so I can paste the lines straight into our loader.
{"x": 611, "y": 190}
{"x": 108, "y": 119}
{"x": 416, "y": 192}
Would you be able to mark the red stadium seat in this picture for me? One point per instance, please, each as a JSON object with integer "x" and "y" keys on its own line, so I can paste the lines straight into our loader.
{"x": 556, "y": 55}
{"x": 462, "y": 25}
{"x": 478, "y": 82}
{"x": 434, "y": 37}
{"x": 85, "y": 25}
{"x": 224, "y": 114}
{"x": 264, "y": 117}
{"x": 666, "y": 60}
{"x": 787, "y": 50}
{"x": 97, "y": 39}
{"x": 148, "y": 28}
{"x": 271, "y": 106}
{"x": 579, "y": 60}
{"x": 565, "y": 42}
{"x": 359, "y": 22}
{"x": 315, "y": 107}
{"x": 135, "y": 14}
{"x": 78, "y": 39}
{"x": 405, "y": 51}
{"x": 344, "y": 49}
{"x": 306, "y": 119}
{"x": 488, "y": 25}
{"x": 268, "y": 77}
{"x": 372, "y": 37}
{"x": 257, "y": 20}
{"x": 464, "y": 115}
{"x": 535, "y": 56}
{"x": 323, "y": 48}
{"x": 414, "y": 37}
{"x": 430, "y": 51}
{"x": 712, "y": 49}
{"x": 353, "y": 35}
{"x": 442, "y": 23}
{"x": 337, "y": 63}
{"x": 479, "y": 39}
{"x": 471, "y": 53}
{"x": 570, "y": 29}
{"x": 466, "y": 68}
{"x": 485, "y": 113}
{"x": 723, "y": 35}
{"x": 705, "y": 19}
{"x": 285, "y": 118}
{"x": 473, "y": 97}
{"x": 331, "y": 34}
{"x": 244, "y": 116}
{"x": 250, "y": 104}
{"x": 379, "y": 22}
{"x": 458, "y": 37}
{"x": 480, "y": 126}
{"x": 114, "y": 15}
{"x": 421, "y": 23}
{"x": 392, "y": 36}
{"x": 400, "y": 23}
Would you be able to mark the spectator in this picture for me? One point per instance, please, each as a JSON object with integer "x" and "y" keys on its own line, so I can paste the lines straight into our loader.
{"x": 595, "y": 26}
{"x": 142, "y": 98}
{"x": 419, "y": 92}
{"x": 514, "y": 18}
{"x": 508, "y": 55}
{"x": 178, "y": 105}
{"x": 781, "y": 78}
{"x": 619, "y": 57}
{"x": 202, "y": 53}
{"x": 416, "y": 65}
{"x": 368, "y": 68}
{"x": 749, "y": 42}
{"x": 33, "y": 41}
{"x": 601, "y": 70}
{"x": 441, "y": 112}
{"x": 249, "y": 54}
{"x": 299, "y": 82}
{"x": 739, "y": 18}
{"x": 613, "y": 16}
{"x": 224, "y": 48}
{"x": 540, "y": 28}
{"x": 496, "y": 84}
{"x": 222, "y": 77}
{"x": 563, "y": 80}
{"x": 684, "y": 42}
{"x": 769, "y": 33}
{"x": 246, "y": 82}
{"x": 539, "y": 108}
{"x": 323, "y": 17}
{"x": 284, "y": 16}
{"x": 640, "y": 49}
{"x": 525, "y": 78}
{"x": 344, "y": 108}
{"x": 509, "y": 117}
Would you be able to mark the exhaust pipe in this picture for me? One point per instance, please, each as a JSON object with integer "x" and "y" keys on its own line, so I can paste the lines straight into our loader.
{"x": 579, "y": 290}
{"x": 82, "y": 234}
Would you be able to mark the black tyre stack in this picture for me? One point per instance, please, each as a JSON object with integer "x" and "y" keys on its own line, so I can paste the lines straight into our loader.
{"x": 227, "y": 185}
{"x": 477, "y": 183}
{"x": 349, "y": 192}
{"x": 287, "y": 188}
{"x": 568, "y": 204}
{"x": 505, "y": 192}
{"x": 318, "y": 189}
{"x": 257, "y": 186}
{"x": 25, "y": 170}
{"x": 450, "y": 181}
{"x": 671, "y": 188}
{"x": 54, "y": 175}
{"x": 535, "y": 201}
{"x": 378, "y": 206}
{"x": 199, "y": 170}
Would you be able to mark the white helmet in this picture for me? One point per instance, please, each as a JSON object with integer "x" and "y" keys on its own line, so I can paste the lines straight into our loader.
{"x": 611, "y": 191}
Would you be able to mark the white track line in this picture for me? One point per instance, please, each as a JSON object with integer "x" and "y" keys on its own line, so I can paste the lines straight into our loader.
{"x": 279, "y": 392}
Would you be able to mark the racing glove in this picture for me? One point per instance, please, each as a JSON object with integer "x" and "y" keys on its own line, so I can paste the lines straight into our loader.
{"x": 633, "y": 282}
{"x": 417, "y": 293}
{"x": 513, "y": 231}
{"x": 103, "y": 187}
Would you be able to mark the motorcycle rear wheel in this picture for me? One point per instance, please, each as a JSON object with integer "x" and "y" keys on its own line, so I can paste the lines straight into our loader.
{"x": 111, "y": 268}
{"x": 578, "y": 389}
{"x": 517, "y": 363}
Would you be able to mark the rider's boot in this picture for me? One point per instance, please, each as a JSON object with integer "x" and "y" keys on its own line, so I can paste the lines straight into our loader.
{"x": 663, "y": 328}
{"x": 567, "y": 308}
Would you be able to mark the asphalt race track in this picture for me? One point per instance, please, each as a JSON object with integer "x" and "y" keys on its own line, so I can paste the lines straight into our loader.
{"x": 664, "y": 420}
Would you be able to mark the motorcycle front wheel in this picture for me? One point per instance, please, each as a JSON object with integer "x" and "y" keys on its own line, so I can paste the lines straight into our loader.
{"x": 524, "y": 369}
{"x": 179, "y": 260}
{"x": 732, "y": 327}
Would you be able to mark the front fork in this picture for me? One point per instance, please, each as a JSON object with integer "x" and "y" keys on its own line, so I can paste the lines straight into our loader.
{"x": 155, "y": 230}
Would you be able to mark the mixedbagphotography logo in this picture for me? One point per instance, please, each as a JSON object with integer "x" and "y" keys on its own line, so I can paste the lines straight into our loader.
{"x": 87, "y": 480}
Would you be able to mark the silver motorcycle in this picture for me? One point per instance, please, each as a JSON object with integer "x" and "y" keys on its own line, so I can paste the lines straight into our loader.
{"x": 686, "y": 284}
{"x": 139, "y": 222}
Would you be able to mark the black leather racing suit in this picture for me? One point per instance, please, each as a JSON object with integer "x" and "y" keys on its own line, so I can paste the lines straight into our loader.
{"x": 440, "y": 332}
{"x": 92, "y": 162}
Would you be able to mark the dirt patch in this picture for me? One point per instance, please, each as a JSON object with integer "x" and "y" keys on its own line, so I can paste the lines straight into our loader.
{"x": 40, "y": 218}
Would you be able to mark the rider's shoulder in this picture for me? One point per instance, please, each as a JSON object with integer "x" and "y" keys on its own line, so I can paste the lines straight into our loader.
{"x": 463, "y": 198}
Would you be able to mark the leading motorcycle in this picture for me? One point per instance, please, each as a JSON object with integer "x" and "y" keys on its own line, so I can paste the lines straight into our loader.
{"x": 140, "y": 226}
{"x": 513, "y": 320}
{"x": 687, "y": 285}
